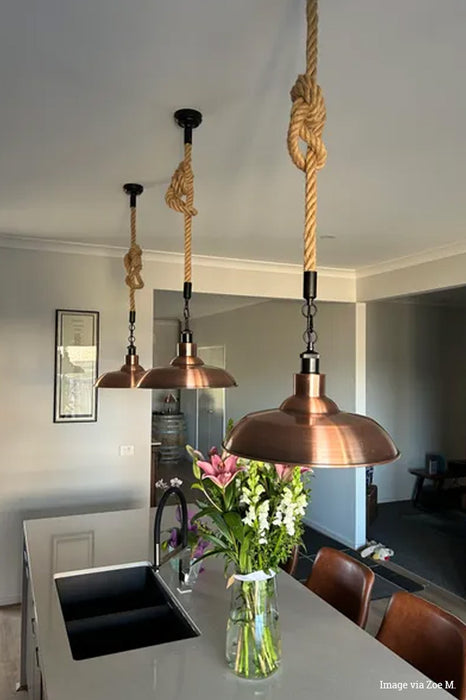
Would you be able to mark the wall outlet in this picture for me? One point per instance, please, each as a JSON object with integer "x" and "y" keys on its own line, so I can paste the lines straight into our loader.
{"x": 126, "y": 450}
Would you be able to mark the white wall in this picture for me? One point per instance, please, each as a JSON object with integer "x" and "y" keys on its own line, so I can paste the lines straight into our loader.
{"x": 416, "y": 386}
{"x": 263, "y": 343}
{"x": 48, "y": 468}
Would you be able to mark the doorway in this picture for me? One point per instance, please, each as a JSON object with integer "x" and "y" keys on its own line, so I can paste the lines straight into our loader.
{"x": 210, "y": 408}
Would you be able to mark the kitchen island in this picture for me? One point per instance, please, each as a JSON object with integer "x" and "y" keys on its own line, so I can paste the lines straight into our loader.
{"x": 325, "y": 656}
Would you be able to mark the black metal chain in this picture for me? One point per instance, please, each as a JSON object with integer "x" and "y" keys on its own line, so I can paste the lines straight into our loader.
{"x": 309, "y": 310}
{"x": 131, "y": 337}
{"x": 186, "y": 316}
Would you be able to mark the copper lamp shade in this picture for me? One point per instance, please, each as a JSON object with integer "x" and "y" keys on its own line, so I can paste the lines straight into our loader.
{"x": 186, "y": 371}
{"x": 125, "y": 378}
{"x": 310, "y": 430}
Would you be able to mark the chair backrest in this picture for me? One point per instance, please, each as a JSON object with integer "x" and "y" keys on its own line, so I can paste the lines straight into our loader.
{"x": 292, "y": 562}
{"x": 429, "y": 638}
{"x": 343, "y": 582}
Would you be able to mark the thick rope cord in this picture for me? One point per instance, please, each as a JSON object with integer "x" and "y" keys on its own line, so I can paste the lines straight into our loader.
{"x": 133, "y": 263}
{"x": 307, "y": 122}
{"x": 182, "y": 185}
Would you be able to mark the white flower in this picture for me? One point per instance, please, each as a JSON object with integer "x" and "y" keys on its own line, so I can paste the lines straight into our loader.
{"x": 161, "y": 484}
{"x": 250, "y": 517}
{"x": 263, "y": 517}
{"x": 175, "y": 481}
{"x": 245, "y": 495}
{"x": 291, "y": 507}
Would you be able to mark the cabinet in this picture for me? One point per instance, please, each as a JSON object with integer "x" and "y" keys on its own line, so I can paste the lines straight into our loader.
{"x": 30, "y": 673}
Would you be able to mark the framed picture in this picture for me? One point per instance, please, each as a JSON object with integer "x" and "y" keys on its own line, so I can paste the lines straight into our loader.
{"x": 76, "y": 366}
{"x": 435, "y": 464}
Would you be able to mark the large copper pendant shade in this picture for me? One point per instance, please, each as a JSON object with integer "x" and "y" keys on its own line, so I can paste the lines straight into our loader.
{"x": 131, "y": 372}
{"x": 308, "y": 428}
{"x": 186, "y": 370}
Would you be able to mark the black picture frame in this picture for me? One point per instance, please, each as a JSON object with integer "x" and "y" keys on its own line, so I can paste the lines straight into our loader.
{"x": 76, "y": 366}
{"x": 435, "y": 464}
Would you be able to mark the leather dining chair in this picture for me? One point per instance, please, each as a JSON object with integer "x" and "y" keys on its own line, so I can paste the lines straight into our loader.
{"x": 343, "y": 582}
{"x": 292, "y": 562}
{"x": 429, "y": 638}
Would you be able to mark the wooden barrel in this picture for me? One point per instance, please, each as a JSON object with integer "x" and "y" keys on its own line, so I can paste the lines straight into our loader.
{"x": 170, "y": 430}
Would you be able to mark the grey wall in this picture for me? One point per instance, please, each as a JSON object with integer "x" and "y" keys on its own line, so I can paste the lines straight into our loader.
{"x": 416, "y": 375}
{"x": 49, "y": 468}
{"x": 263, "y": 343}
{"x": 453, "y": 364}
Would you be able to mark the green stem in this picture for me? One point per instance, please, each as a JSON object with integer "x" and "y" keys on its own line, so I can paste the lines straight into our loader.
{"x": 246, "y": 649}
{"x": 239, "y": 650}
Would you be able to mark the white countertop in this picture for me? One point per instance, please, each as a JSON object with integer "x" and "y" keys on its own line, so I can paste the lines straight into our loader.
{"x": 325, "y": 656}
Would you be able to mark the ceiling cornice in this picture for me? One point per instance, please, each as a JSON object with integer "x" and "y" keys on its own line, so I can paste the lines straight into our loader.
{"x": 47, "y": 245}
{"x": 400, "y": 276}
{"x": 411, "y": 260}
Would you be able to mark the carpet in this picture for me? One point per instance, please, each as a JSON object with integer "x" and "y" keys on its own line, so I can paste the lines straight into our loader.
{"x": 386, "y": 581}
{"x": 430, "y": 544}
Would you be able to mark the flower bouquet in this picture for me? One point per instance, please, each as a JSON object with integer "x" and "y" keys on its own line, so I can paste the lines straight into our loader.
{"x": 251, "y": 514}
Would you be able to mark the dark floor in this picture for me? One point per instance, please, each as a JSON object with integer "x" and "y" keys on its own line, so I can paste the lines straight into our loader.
{"x": 386, "y": 581}
{"x": 432, "y": 544}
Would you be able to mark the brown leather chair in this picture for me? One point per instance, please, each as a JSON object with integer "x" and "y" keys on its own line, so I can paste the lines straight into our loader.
{"x": 429, "y": 638}
{"x": 292, "y": 562}
{"x": 343, "y": 582}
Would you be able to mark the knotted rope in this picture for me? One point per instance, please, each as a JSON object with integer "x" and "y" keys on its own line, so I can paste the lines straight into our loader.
{"x": 307, "y": 120}
{"x": 133, "y": 263}
{"x": 182, "y": 185}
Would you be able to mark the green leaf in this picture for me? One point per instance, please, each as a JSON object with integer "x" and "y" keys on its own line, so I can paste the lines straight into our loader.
{"x": 196, "y": 470}
{"x": 211, "y": 553}
{"x": 215, "y": 540}
{"x": 191, "y": 452}
{"x": 197, "y": 486}
{"x": 205, "y": 511}
{"x": 234, "y": 522}
{"x": 219, "y": 521}
{"x": 244, "y": 556}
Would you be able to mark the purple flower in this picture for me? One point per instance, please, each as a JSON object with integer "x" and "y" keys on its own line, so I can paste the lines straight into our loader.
{"x": 192, "y": 527}
{"x": 173, "y": 540}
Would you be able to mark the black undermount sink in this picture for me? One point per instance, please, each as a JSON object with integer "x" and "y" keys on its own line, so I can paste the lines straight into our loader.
{"x": 115, "y": 610}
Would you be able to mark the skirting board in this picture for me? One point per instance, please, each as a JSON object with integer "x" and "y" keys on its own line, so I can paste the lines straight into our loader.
{"x": 330, "y": 533}
{"x": 10, "y": 600}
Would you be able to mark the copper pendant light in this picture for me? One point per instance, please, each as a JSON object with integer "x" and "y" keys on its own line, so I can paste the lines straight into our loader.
{"x": 308, "y": 428}
{"x": 186, "y": 370}
{"x": 131, "y": 372}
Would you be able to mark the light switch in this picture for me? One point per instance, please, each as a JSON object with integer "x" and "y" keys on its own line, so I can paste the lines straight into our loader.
{"x": 126, "y": 450}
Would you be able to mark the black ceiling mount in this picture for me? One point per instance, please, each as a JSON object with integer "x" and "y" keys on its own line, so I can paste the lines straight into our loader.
{"x": 188, "y": 119}
{"x": 133, "y": 189}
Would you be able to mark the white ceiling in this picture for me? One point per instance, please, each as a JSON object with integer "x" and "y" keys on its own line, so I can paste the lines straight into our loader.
{"x": 89, "y": 88}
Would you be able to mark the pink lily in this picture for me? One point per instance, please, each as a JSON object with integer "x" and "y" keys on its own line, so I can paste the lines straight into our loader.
{"x": 285, "y": 471}
{"x": 220, "y": 471}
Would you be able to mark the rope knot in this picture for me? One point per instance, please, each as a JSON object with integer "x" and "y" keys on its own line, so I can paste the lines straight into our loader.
{"x": 133, "y": 267}
{"x": 307, "y": 122}
{"x": 180, "y": 186}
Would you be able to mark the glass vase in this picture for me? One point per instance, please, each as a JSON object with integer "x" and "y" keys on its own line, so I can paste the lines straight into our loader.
{"x": 253, "y": 645}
